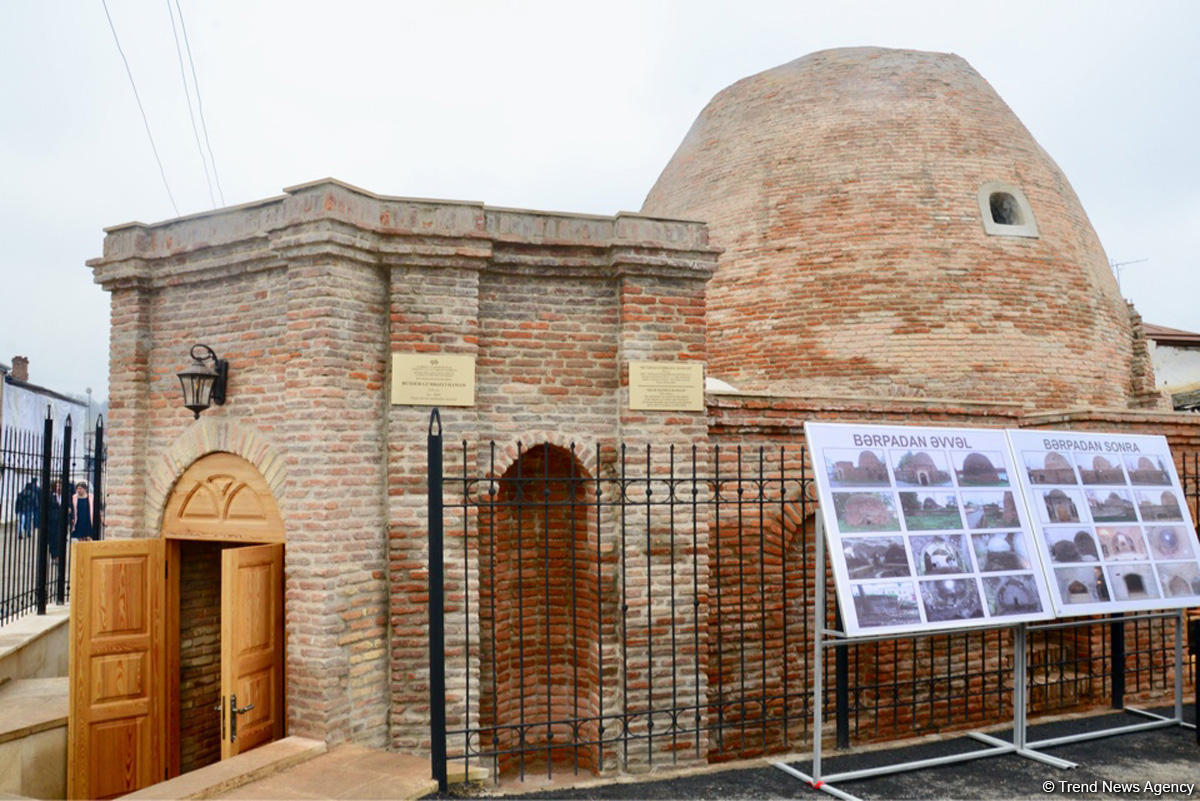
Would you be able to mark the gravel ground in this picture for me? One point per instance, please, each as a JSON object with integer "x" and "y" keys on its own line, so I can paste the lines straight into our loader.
{"x": 1148, "y": 759}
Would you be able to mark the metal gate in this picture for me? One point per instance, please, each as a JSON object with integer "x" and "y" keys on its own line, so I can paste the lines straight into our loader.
{"x": 38, "y": 475}
{"x": 614, "y": 609}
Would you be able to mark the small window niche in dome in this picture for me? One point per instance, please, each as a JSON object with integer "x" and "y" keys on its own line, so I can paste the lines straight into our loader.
{"x": 1005, "y": 210}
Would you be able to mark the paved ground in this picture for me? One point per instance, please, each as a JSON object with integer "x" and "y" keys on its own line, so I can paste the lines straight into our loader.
{"x": 1147, "y": 759}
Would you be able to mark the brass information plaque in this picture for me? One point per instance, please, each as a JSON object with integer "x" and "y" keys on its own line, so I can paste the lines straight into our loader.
{"x": 666, "y": 386}
{"x": 420, "y": 379}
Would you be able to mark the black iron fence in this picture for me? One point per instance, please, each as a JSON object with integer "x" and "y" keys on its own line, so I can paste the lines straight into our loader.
{"x": 41, "y": 511}
{"x": 615, "y": 609}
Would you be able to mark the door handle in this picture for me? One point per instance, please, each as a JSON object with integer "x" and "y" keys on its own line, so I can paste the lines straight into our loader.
{"x": 233, "y": 713}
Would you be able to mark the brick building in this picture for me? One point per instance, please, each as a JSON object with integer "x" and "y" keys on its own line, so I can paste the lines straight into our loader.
{"x": 859, "y": 234}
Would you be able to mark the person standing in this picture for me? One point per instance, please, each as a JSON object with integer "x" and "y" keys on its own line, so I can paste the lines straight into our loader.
{"x": 81, "y": 527}
{"x": 27, "y": 504}
{"x": 54, "y": 519}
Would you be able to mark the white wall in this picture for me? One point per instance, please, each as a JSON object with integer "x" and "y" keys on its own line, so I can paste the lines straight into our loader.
{"x": 24, "y": 409}
{"x": 1176, "y": 369}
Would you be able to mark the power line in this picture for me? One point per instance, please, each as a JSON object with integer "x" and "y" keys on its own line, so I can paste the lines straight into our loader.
{"x": 188, "y": 97}
{"x": 199, "y": 103}
{"x": 138, "y": 98}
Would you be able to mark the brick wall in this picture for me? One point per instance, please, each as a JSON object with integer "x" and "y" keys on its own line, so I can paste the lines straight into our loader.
{"x": 543, "y": 306}
{"x": 306, "y": 296}
{"x": 199, "y": 655}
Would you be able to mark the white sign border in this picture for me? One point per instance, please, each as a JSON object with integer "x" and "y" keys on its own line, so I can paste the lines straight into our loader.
{"x": 816, "y": 435}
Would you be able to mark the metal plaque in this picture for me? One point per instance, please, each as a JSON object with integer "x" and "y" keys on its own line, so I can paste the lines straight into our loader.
{"x": 666, "y": 386}
{"x": 428, "y": 379}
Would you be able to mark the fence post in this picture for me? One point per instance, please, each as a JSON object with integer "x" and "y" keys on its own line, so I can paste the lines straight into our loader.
{"x": 1194, "y": 647}
{"x": 60, "y": 535}
{"x": 841, "y": 692}
{"x": 43, "y": 509}
{"x": 98, "y": 481}
{"x": 437, "y": 637}
{"x": 1116, "y": 634}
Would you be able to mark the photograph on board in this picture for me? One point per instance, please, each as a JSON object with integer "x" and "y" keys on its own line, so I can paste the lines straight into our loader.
{"x": 1179, "y": 579}
{"x": 1001, "y": 550}
{"x": 1133, "y": 582}
{"x": 1049, "y": 467}
{"x": 921, "y": 469}
{"x": 847, "y": 468}
{"x": 951, "y": 599}
{"x": 1070, "y": 545}
{"x": 875, "y": 557}
{"x": 1155, "y": 506}
{"x": 996, "y": 509}
{"x": 1110, "y": 506}
{"x": 1059, "y": 506}
{"x": 1081, "y": 585}
{"x": 1011, "y": 595}
{"x": 1147, "y": 470}
{"x": 865, "y": 511}
{"x": 940, "y": 554}
{"x": 980, "y": 468}
{"x": 891, "y": 603}
{"x": 1171, "y": 542}
{"x": 1121, "y": 543}
{"x": 1097, "y": 469}
{"x": 930, "y": 511}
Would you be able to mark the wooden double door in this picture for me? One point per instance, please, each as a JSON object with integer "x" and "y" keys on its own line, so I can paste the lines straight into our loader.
{"x": 124, "y": 724}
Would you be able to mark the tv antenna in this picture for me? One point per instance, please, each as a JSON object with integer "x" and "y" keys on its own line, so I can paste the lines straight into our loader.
{"x": 1117, "y": 265}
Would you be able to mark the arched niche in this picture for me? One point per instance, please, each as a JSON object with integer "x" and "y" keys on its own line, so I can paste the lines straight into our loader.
{"x": 540, "y": 613}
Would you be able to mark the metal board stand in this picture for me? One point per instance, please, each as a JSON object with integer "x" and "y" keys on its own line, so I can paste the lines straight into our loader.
{"x": 1159, "y": 721}
{"x": 996, "y": 746}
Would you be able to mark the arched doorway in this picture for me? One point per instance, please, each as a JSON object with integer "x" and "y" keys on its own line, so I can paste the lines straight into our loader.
{"x": 224, "y": 554}
{"x": 207, "y": 594}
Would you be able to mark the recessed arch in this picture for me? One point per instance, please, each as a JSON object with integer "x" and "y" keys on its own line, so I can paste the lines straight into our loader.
{"x": 540, "y": 613}
{"x": 204, "y": 436}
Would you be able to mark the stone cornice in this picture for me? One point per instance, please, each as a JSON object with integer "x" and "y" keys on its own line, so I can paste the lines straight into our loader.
{"x": 332, "y": 219}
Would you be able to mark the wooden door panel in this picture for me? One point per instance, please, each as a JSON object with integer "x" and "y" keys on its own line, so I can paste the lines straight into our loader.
{"x": 252, "y": 645}
{"x": 117, "y": 701}
{"x": 222, "y": 497}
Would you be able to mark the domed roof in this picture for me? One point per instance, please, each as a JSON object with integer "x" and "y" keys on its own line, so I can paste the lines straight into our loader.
{"x": 890, "y": 228}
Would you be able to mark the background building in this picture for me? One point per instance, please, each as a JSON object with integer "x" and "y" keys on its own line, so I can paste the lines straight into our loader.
{"x": 1176, "y": 357}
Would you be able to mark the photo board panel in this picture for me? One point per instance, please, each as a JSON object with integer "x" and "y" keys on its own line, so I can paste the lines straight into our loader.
{"x": 926, "y": 529}
{"x": 1111, "y": 521}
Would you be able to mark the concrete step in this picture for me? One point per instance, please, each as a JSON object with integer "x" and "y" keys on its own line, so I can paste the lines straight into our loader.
{"x": 33, "y": 737}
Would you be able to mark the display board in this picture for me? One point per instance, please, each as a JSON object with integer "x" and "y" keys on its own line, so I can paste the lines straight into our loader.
{"x": 1112, "y": 522}
{"x": 926, "y": 528}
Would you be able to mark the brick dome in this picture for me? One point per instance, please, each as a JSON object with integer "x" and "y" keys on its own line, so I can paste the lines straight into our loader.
{"x": 849, "y": 191}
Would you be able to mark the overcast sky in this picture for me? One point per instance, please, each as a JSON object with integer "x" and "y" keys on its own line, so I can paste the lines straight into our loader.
{"x": 558, "y": 105}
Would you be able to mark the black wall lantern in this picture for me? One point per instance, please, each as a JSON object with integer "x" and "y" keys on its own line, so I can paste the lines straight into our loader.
{"x": 203, "y": 385}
